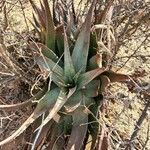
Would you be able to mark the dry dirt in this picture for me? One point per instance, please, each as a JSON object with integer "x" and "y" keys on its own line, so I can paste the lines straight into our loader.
{"x": 122, "y": 113}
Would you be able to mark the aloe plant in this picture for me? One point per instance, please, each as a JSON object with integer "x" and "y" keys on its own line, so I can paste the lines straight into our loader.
{"x": 71, "y": 98}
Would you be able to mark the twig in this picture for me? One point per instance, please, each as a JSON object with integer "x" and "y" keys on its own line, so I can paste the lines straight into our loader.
{"x": 5, "y": 19}
{"x": 148, "y": 137}
{"x": 138, "y": 125}
{"x": 38, "y": 134}
{"x": 133, "y": 56}
{"x": 15, "y": 4}
{"x": 103, "y": 141}
{"x": 25, "y": 19}
{"x": 17, "y": 106}
{"x": 133, "y": 53}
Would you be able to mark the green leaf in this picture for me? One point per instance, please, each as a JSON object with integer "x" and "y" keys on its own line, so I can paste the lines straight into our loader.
{"x": 58, "y": 132}
{"x": 50, "y": 28}
{"x": 61, "y": 100}
{"x": 68, "y": 64}
{"x": 60, "y": 40}
{"x": 87, "y": 77}
{"x": 73, "y": 102}
{"x": 94, "y": 62}
{"x": 81, "y": 49}
{"x": 51, "y": 66}
{"x": 91, "y": 89}
{"x": 45, "y": 51}
{"x": 79, "y": 129}
{"x": 48, "y": 100}
{"x": 71, "y": 27}
{"x": 93, "y": 45}
{"x": 78, "y": 99}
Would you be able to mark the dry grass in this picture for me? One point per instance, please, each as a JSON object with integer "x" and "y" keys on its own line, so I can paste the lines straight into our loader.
{"x": 123, "y": 111}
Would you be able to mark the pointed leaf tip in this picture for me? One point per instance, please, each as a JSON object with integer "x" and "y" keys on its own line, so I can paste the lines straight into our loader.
{"x": 116, "y": 77}
{"x": 87, "y": 77}
{"x": 81, "y": 49}
{"x": 50, "y": 28}
{"x": 68, "y": 64}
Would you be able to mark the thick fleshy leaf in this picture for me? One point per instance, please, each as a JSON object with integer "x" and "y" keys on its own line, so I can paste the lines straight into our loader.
{"x": 79, "y": 129}
{"x": 79, "y": 98}
{"x": 71, "y": 25}
{"x": 59, "y": 130}
{"x": 116, "y": 77}
{"x": 91, "y": 90}
{"x": 93, "y": 45}
{"x": 87, "y": 77}
{"x": 49, "y": 99}
{"x": 60, "y": 40}
{"x": 73, "y": 102}
{"x": 51, "y": 66}
{"x": 45, "y": 103}
{"x": 37, "y": 138}
{"x": 81, "y": 49}
{"x": 104, "y": 82}
{"x": 45, "y": 51}
{"x": 95, "y": 62}
{"x": 68, "y": 64}
{"x": 61, "y": 100}
{"x": 50, "y": 28}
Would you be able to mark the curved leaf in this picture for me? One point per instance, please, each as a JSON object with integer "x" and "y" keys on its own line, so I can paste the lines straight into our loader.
{"x": 81, "y": 49}
{"x": 55, "y": 70}
{"x": 79, "y": 129}
{"x": 78, "y": 99}
{"x": 87, "y": 77}
{"x": 60, "y": 40}
{"x": 116, "y": 77}
{"x": 73, "y": 102}
{"x": 61, "y": 100}
{"x": 48, "y": 99}
{"x": 59, "y": 130}
{"x": 50, "y": 28}
{"x": 45, "y": 51}
{"x": 95, "y": 62}
{"x": 104, "y": 81}
{"x": 68, "y": 64}
{"x": 91, "y": 89}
